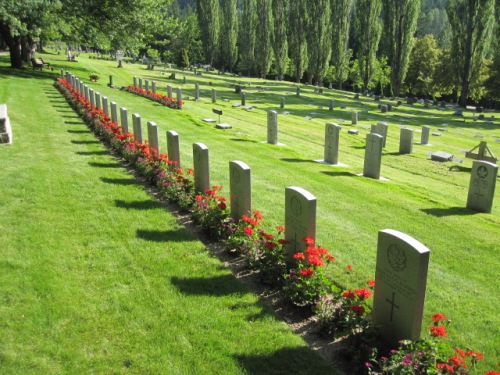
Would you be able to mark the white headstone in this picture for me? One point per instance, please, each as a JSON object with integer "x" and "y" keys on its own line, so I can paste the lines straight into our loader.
{"x": 136, "y": 120}
{"x": 153, "y": 137}
{"x": 241, "y": 189}
{"x": 179, "y": 94}
{"x": 98, "y": 100}
{"x": 92, "y": 97}
{"x": 482, "y": 184}
{"x": 153, "y": 86}
{"x": 282, "y": 102}
{"x": 332, "y": 135}
{"x": 300, "y": 218}
{"x": 406, "y": 141}
{"x": 201, "y": 168}
{"x": 105, "y": 105}
{"x": 173, "y": 148}
{"x": 272, "y": 127}
{"x": 114, "y": 113}
{"x": 373, "y": 155}
{"x": 196, "y": 91}
{"x": 382, "y": 128}
{"x": 140, "y": 83}
{"x": 169, "y": 91}
{"x": 214, "y": 96}
{"x": 124, "y": 119}
{"x": 298, "y": 91}
{"x": 400, "y": 282}
{"x": 425, "y": 135}
{"x": 354, "y": 116}
{"x": 135, "y": 82}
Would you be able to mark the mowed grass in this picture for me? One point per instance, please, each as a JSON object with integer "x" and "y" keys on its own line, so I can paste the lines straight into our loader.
{"x": 424, "y": 199}
{"x": 98, "y": 277}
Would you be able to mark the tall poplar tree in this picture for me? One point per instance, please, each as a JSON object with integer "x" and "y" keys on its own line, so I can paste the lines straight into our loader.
{"x": 208, "y": 19}
{"x": 297, "y": 27}
{"x": 368, "y": 31}
{"x": 229, "y": 34}
{"x": 493, "y": 82}
{"x": 319, "y": 37}
{"x": 279, "y": 37}
{"x": 401, "y": 18}
{"x": 264, "y": 49}
{"x": 471, "y": 24}
{"x": 248, "y": 26}
{"x": 341, "y": 54}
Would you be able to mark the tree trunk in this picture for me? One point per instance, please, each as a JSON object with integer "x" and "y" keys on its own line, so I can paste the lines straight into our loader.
{"x": 14, "y": 44}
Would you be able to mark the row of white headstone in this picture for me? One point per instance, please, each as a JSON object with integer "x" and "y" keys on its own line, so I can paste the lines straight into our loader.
{"x": 402, "y": 262}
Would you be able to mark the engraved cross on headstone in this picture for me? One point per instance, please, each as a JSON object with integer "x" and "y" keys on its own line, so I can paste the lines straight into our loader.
{"x": 393, "y": 305}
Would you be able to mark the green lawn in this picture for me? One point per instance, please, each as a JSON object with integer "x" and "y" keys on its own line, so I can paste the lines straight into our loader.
{"x": 423, "y": 199}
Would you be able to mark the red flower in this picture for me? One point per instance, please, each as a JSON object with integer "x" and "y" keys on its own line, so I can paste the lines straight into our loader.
{"x": 222, "y": 206}
{"x": 308, "y": 241}
{"x": 438, "y": 331}
{"x": 363, "y": 293}
{"x": 248, "y": 231}
{"x": 349, "y": 294}
{"x": 299, "y": 255}
{"x": 371, "y": 283}
{"x": 493, "y": 373}
{"x": 476, "y": 355}
{"x": 456, "y": 361}
{"x": 306, "y": 272}
{"x": 330, "y": 258}
{"x": 446, "y": 367}
{"x": 257, "y": 215}
{"x": 315, "y": 260}
{"x": 438, "y": 318}
{"x": 280, "y": 228}
{"x": 360, "y": 310}
{"x": 271, "y": 245}
{"x": 461, "y": 352}
{"x": 349, "y": 267}
{"x": 283, "y": 242}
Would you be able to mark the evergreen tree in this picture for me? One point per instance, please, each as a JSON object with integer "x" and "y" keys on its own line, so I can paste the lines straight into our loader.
{"x": 471, "y": 24}
{"x": 264, "y": 49}
{"x": 279, "y": 37}
{"x": 341, "y": 54}
{"x": 319, "y": 39}
{"x": 229, "y": 34}
{"x": 298, "y": 17}
{"x": 493, "y": 82}
{"x": 248, "y": 34}
{"x": 400, "y": 24}
{"x": 368, "y": 31}
{"x": 208, "y": 19}
{"x": 424, "y": 60}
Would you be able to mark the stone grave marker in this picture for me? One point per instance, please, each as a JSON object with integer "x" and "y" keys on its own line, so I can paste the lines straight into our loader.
{"x": 354, "y": 118}
{"x": 214, "y": 96}
{"x": 382, "y": 128}
{"x": 135, "y": 81}
{"x": 282, "y": 102}
{"x": 298, "y": 91}
{"x": 201, "y": 168}
{"x": 98, "y": 103}
{"x": 140, "y": 83}
{"x": 331, "y": 105}
{"x": 124, "y": 119}
{"x": 92, "y": 97}
{"x": 441, "y": 156}
{"x": 114, "y": 113}
{"x": 406, "y": 141}
{"x": 424, "y": 140}
{"x": 169, "y": 91}
{"x": 5, "y": 126}
{"x": 243, "y": 99}
{"x": 153, "y": 137}
{"x": 105, "y": 105}
{"x": 383, "y": 108}
{"x": 332, "y": 136}
{"x": 153, "y": 86}
{"x": 173, "y": 149}
{"x": 136, "y": 121}
{"x": 300, "y": 219}
{"x": 353, "y": 131}
{"x": 240, "y": 189}
{"x": 401, "y": 279}
{"x": 62, "y": 73}
{"x": 272, "y": 127}
{"x": 482, "y": 186}
{"x": 373, "y": 155}
{"x": 196, "y": 91}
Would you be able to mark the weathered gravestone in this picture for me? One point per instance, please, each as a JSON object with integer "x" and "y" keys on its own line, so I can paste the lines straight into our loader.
{"x": 272, "y": 127}
{"x": 114, "y": 113}
{"x": 124, "y": 119}
{"x": 140, "y": 83}
{"x": 240, "y": 189}
{"x": 424, "y": 140}
{"x": 173, "y": 149}
{"x": 354, "y": 118}
{"x": 105, "y": 105}
{"x": 179, "y": 95}
{"x": 146, "y": 84}
{"x": 5, "y": 127}
{"x": 136, "y": 121}
{"x": 153, "y": 137}
{"x": 383, "y": 108}
{"x": 401, "y": 279}
{"x": 153, "y": 86}
{"x": 98, "y": 100}
{"x": 482, "y": 186}
{"x": 243, "y": 98}
{"x": 406, "y": 141}
{"x": 382, "y": 128}
{"x": 373, "y": 155}
{"x": 332, "y": 135}
{"x": 214, "y": 96}
{"x": 62, "y": 73}
{"x": 300, "y": 219}
{"x": 196, "y": 91}
{"x": 135, "y": 81}
{"x": 92, "y": 97}
{"x": 298, "y": 91}
{"x": 169, "y": 91}
{"x": 331, "y": 105}
{"x": 201, "y": 168}
{"x": 282, "y": 102}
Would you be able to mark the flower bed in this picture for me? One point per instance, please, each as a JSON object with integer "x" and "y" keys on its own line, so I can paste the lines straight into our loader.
{"x": 340, "y": 312}
{"x": 157, "y": 97}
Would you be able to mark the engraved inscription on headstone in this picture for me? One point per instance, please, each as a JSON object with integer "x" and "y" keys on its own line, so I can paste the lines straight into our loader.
{"x": 482, "y": 186}
{"x": 240, "y": 189}
{"x": 272, "y": 127}
{"x": 332, "y": 135}
{"x": 373, "y": 155}
{"x": 406, "y": 141}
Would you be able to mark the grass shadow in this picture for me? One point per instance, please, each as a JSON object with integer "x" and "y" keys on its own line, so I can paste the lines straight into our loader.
{"x": 459, "y": 168}
{"x": 120, "y": 181}
{"x": 85, "y": 142}
{"x": 242, "y": 140}
{"x": 138, "y": 205}
{"x": 78, "y": 131}
{"x": 215, "y": 286}
{"x": 105, "y": 165}
{"x": 450, "y": 211}
{"x": 294, "y": 160}
{"x": 178, "y": 235}
{"x": 339, "y": 173}
{"x": 88, "y": 153}
{"x": 299, "y": 360}
{"x": 74, "y": 122}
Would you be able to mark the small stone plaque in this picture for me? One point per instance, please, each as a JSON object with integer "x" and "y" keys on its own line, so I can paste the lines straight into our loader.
{"x": 353, "y": 131}
{"x": 223, "y": 126}
{"x": 441, "y": 156}
{"x": 208, "y": 120}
